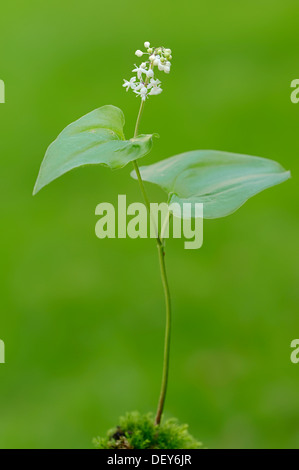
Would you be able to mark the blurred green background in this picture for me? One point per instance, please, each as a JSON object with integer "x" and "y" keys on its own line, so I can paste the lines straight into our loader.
{"x": 83, "y": 319}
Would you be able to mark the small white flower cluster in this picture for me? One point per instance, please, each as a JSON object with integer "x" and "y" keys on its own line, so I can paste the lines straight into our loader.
{"x": 145, "y": 84}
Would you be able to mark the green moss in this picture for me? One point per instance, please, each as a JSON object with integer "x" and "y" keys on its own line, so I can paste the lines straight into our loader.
{"x": 137, "y": 431}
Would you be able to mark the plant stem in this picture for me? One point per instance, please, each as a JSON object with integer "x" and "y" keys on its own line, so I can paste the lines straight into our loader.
{"x": 161, "y": 251}
{"x": 140, "y": 181}
{"x": 167, "y": 335}
{"x": 138, "y": 118}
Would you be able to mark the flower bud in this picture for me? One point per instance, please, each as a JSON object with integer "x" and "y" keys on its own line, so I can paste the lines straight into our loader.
{"x": 167, "y": 51}
{"x": 147, "y": 44}
{"x": 166, "y": 68}
{"x": 139, "y": 53}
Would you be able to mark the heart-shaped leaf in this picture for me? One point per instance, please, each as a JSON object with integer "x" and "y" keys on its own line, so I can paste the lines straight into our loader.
{"x": 96, "y": 137}
{"x": 221, "y": 181}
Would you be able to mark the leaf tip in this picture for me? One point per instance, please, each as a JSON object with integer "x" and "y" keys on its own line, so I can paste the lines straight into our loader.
{"x": 36, "y": 188}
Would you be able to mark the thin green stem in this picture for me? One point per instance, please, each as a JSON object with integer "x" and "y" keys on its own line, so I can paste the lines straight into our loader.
{"x": 138, "y": 118}
{"x": 167, "y": 335}
{"x": 161, "y": 251}
{"x": 137, "y": 171}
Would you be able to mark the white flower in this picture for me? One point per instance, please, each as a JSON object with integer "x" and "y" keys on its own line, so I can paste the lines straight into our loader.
{"x": 138, "y": 86}
{"x": 155, "y": 91}
{"x": 130, "y": 84}
{"x": 146, "y": 83}
{"x": 150, "y": 73}
{"x": 154, "y": 83}
{"x": 154, "y": 87}
{"x": 139, "y": 70}
{"x": 142, "y": 93}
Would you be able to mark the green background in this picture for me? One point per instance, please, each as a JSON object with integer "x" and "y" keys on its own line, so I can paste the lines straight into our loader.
{"x": 82, "y": 319}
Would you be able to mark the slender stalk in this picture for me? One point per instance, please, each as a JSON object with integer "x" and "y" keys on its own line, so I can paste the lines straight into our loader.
{"x": 160, "y": 246}
{"x": 138, "y": 118}
{"x": 167, "y": 335}
{"x": 140, "y": 181}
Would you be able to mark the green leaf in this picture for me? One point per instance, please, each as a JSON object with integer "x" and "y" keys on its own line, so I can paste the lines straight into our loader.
{"x": 222, "y": 181}
{"x": 96, "y": 137}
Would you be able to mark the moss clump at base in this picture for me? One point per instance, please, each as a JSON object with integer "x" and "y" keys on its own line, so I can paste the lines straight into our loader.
{"x": 136, "y": 431}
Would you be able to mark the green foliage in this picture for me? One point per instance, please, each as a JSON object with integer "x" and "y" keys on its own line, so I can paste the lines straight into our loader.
{"x": 95, "y": 138}
{"x": 136, "y": 431}
{"x": 221, "y": 181}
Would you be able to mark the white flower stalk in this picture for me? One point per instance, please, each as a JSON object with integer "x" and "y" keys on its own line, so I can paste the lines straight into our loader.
{"x": 145, "y": 83}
